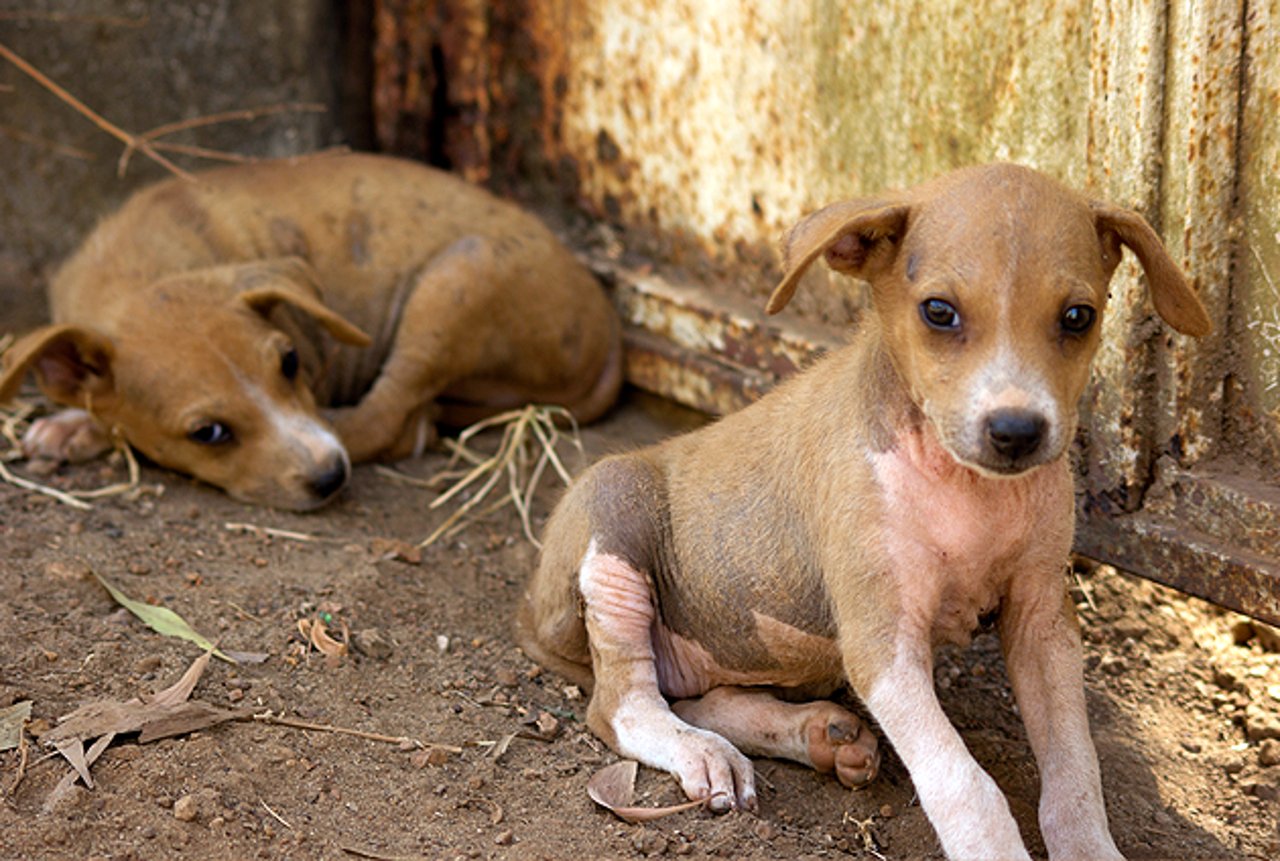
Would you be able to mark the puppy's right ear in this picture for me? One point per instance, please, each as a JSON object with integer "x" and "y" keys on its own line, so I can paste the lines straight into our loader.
{"x": 71, "y": 363}
{"x": 857, "y": 237}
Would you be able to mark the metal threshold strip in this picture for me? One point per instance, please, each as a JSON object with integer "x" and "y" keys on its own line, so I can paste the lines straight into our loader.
{"x": 1214, "y": 533}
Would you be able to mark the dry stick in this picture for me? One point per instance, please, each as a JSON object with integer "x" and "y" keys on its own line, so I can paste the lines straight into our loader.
{"x": 87, "y": 112}
{"x": 72, "y": 18}
{"x": 36, "y": 140}
{"x": 22, "y": 763}
{"x": 244, "y": 114}
{"x": 279, "y": 720}
{"x": 275, "y": 815}
{"x": 18, "y": 481}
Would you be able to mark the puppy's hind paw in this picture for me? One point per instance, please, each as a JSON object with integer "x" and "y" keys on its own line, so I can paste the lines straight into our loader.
{"x": 839, "y": 742}
{"x": 71, "y": 436}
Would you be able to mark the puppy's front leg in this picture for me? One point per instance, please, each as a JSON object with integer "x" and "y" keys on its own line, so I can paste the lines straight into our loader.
{"x": 627, "y": 708}
{"x": 966, "y": 808}
{"x": 1041, "y": 642}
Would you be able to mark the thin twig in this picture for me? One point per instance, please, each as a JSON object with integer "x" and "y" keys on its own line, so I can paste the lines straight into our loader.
{"x": 25, "y": 484}
{"x": 280, "y": 720}
{"x": 72, "y": 18}
{"x": 274, "y": 815}
{"x": 59, "y": 148}
{"x": 151, "y": 135}
{"x": 97, "y": 119}
{"x": 267, "y": 531}
{"x": 22, "y": 762}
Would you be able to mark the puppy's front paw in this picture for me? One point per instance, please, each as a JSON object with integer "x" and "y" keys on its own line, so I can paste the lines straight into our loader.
{"x": 708, "y": 766}
{"x": 838, "y": 741}
{"x": 71, "y": 436}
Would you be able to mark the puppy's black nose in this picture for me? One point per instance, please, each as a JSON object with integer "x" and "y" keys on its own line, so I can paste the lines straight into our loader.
{"x": 330, "y": 480}
{"x": 1015, "y": 433}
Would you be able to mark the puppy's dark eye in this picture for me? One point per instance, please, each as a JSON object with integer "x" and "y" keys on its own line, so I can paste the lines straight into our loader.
{"x": 213, "y": 433}
{"x": 289, "y": 364}
{"x": 1078, "y": 319}
{"x": 940, "y": 314}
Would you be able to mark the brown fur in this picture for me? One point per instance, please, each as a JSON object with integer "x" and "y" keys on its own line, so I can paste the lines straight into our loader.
{"x": 179, "y": 310}
{"x": 862, "y": 513}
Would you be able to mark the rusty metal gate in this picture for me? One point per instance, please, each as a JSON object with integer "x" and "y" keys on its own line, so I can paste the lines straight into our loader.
{"x": 694, "y": 132}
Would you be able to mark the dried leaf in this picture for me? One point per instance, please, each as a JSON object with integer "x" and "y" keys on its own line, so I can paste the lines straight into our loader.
{"x": 180, "y": 691}
{"x": 72, "y": 750}
{"x": 162, "y": 620}
{"x": 12, "y": 720}
{"x": 614, "y": 788}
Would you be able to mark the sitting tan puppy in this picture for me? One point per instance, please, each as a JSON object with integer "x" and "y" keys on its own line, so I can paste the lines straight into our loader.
{"x": 206, "y": 321}
{"x": 905, "y": 488}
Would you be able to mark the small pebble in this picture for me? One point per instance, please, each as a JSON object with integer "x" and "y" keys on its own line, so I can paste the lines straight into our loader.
{"x": 184, "y": 809}
{"x": 648, "y": 842}
{"x": 442, "y": 643}
{"x": 766, "y": 830}
{"x": 1269, "y": 753}
{"x": 1190, "y": 745}
{"x": 504, "y": 838}
{"x": 886, "y": 811}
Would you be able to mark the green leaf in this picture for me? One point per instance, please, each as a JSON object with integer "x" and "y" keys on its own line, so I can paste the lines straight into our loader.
{"x": 12, "y": 719}
{"x": 162, "y": 620}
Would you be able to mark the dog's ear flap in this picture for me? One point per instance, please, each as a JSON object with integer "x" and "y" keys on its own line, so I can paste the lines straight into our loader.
{"x": 857, "y": 237}
{"x": 1172, "y": 294}
{"x": 265, "y": 284}
{"x": 71, "y": 363}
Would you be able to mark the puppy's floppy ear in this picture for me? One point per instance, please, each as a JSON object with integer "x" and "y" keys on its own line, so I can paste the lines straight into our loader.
{"x": 71, "y": 363}
{"x": 265, "y": 284}
{"x": 1171, "y": 293}
{"x": 857, "y": 237}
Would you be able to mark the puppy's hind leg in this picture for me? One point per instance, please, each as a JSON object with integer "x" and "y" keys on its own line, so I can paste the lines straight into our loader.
{"x": 438, "y": 340}
{"x": 627, "y": 708}
{"x": 819, "y": 734}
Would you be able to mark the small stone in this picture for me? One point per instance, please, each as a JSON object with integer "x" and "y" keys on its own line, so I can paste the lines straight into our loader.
{"x": 372, "y": 643}
{"x": 235, "y": 695}
{"x": 1269, "y": 753}
{"x": 765, "y": 830}
{"x": 184, "y": 809}
{"x": 1233, "y": 766}
{"x": 442, "y": 644}
{"x": 148, "y": 664}
{"x": 1261, "y": 723}
{"x": 68, "y": 570}
{"x": 139, "y": 568}
{"x": 1225, "y": 678}
{"x": 1114, "y": 665}
{"x": 648, "y": 842}
{"x": 1268, "y": 637}
{"x": 506, "y": 677}
{"x": 217, "y": 822}
{"x": 886, "y": 811}
{"x": 504, "y": 837}
{"x": 1190, "y": 745}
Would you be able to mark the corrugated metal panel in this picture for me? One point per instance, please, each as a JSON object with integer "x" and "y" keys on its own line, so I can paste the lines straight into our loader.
{"x": 1256, "y": 408}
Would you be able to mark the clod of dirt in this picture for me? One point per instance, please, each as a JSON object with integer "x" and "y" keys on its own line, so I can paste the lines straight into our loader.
{"x": 372, "y": 643}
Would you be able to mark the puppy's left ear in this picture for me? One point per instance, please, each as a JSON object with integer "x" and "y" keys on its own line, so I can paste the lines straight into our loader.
{"x": 1171, "y": 293}
{"x": 857, "y": 237}
{"x": 290, "y": 280}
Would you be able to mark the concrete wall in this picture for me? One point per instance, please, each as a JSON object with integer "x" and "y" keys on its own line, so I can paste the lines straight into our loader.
{"x": 143, "y": 63}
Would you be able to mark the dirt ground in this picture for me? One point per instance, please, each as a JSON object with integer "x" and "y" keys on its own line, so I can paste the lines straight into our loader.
{"x": 1180, "y": 693}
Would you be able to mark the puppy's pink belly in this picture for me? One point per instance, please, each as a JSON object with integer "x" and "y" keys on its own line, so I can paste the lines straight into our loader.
{"x": 796, "y": 660}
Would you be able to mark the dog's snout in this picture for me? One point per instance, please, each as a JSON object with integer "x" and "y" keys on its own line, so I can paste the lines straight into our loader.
{"x": 331, "y": 479}
{"x": 1015, "y": 434}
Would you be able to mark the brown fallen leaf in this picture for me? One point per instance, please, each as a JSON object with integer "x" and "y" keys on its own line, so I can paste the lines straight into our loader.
{"x": 614, "y": 788}
{"x": 164, "y": 714}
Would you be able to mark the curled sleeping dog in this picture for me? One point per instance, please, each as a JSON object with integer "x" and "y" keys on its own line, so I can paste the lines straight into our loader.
{"x": 220, "y": 325}
{"x": 869, "y": 509}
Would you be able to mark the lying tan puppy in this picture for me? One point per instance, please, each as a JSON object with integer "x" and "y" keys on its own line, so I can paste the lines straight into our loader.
{"x": 907, "y": 487}
{"x": 200, "y": 323}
